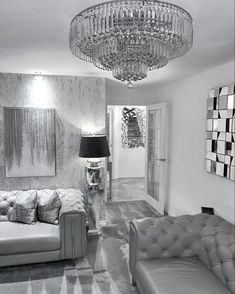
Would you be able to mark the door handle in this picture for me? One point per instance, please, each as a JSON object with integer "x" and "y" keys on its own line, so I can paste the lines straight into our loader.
{"x": 161, "y": 159}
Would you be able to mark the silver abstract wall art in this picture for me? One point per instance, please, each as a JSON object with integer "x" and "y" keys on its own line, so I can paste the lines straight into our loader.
{"x": 220, "y": 139}
{"x": 29, "y": 142}
{"x": 133, "y": 127}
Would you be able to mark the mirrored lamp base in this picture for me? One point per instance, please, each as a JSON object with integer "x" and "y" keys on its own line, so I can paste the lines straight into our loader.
{"x": 94, "y": 176}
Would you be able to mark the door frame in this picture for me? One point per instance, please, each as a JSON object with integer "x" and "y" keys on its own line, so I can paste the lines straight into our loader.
{"x": 161, "y": 205}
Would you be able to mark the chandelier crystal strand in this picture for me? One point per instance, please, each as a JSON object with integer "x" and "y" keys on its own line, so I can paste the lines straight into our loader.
{"x": 131, "y": 37}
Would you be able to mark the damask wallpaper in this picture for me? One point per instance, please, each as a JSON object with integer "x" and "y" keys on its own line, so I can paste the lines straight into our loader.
{"x": 79, "y": 104}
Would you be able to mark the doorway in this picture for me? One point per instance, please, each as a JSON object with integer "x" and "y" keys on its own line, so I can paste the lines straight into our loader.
{"x": 126, "y": 129}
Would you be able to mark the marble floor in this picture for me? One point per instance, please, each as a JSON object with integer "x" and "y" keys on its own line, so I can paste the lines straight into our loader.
{"x": 125, "y": 189}
{"x": 104, "y": 269}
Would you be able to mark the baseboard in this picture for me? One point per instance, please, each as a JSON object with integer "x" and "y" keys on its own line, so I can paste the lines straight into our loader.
{"x": 226, "y": 213}
{"x": 170, "y": 212}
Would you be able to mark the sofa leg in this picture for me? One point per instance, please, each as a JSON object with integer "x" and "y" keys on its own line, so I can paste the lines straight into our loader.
{"x": 74, "y": 262}
{"x": 133, "y": 282}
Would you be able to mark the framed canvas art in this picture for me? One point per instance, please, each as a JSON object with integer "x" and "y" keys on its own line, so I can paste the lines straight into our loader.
{"x": 29, "y": 142}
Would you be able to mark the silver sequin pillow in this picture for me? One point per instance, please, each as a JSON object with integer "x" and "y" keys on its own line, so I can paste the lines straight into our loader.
{"x": 48, "y": 206}
{"x": 25, "y": 208}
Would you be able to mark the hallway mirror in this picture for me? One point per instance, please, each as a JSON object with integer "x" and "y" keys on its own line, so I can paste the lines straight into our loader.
{"x": 133, "y": 127}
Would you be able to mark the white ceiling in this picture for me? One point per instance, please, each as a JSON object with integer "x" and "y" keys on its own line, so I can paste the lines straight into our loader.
{"x": 34, "y": 38}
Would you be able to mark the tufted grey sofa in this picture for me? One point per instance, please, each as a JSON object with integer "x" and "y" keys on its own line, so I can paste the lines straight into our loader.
{"x": 183, "y": 255}
{"x": 41, "y": 242}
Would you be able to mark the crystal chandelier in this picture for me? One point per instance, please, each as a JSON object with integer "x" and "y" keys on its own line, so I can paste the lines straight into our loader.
{"x": 131, "y": 37}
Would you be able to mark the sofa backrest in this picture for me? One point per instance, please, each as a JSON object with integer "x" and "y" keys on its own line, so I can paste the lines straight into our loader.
{"x": 7, "y": 200}
{"x": 215, "y": 247}
{"x": 212, "y": 242}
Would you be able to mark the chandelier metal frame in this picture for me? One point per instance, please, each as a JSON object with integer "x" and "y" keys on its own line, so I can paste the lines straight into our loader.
{"x": 130, "y": 37}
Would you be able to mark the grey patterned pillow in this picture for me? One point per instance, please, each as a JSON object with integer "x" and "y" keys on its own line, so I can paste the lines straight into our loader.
{"x": 25, "y": 208}
{"x": 48, "y": 206}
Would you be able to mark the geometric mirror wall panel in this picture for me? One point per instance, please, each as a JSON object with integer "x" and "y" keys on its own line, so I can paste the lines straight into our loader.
{"x": 220, "y": 132}
{"x": 29, "y": 142}
{"x": 133, "y": 127}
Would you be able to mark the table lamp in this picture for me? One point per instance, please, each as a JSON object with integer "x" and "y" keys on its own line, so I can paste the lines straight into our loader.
{"x": 94, "y": 148}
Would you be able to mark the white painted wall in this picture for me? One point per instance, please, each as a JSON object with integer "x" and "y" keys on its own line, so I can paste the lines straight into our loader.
{"x": 127, "y": 162}
{"x": 190, "y": 186}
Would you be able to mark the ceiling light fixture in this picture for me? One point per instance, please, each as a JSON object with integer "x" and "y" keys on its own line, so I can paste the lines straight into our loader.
{"x": 131, "y": 37}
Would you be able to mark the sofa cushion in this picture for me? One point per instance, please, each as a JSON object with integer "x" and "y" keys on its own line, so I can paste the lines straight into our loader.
{"x": 177, "y": 276}
{"x": 24, "y": 208}
{"x": 22, "y": 238}
{"x": 48, "y": 206}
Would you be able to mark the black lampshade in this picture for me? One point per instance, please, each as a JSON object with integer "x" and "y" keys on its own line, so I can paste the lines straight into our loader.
{"x": 94, "y": 146}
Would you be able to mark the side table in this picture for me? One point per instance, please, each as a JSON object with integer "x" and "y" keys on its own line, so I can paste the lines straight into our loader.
{"x": 95, "y": 206}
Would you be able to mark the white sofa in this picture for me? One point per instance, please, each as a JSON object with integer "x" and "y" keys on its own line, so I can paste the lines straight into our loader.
{"x": 22, "y": 243}
{"x": 183, "y": 255}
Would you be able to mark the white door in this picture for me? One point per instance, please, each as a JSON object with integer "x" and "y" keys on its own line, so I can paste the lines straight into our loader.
{"x": 156, "y": 155}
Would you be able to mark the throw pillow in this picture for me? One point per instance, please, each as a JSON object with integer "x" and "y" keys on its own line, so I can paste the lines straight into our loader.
{"x": 25, "y": 208}
{"x": 48, "y": 206}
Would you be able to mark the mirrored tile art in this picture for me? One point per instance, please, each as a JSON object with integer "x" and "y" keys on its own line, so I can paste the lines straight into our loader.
{"x": 220, "y": 132}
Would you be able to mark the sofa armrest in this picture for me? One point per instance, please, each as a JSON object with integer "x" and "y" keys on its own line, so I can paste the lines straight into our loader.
{"x": 162, "y": 237}
{"x": 72, "y": 222}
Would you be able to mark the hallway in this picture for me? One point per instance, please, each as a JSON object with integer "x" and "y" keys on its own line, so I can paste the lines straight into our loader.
{"x": 128, "y": 189}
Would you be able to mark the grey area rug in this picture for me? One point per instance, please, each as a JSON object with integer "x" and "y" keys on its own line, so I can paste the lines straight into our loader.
{"x": 104, "y": 270}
